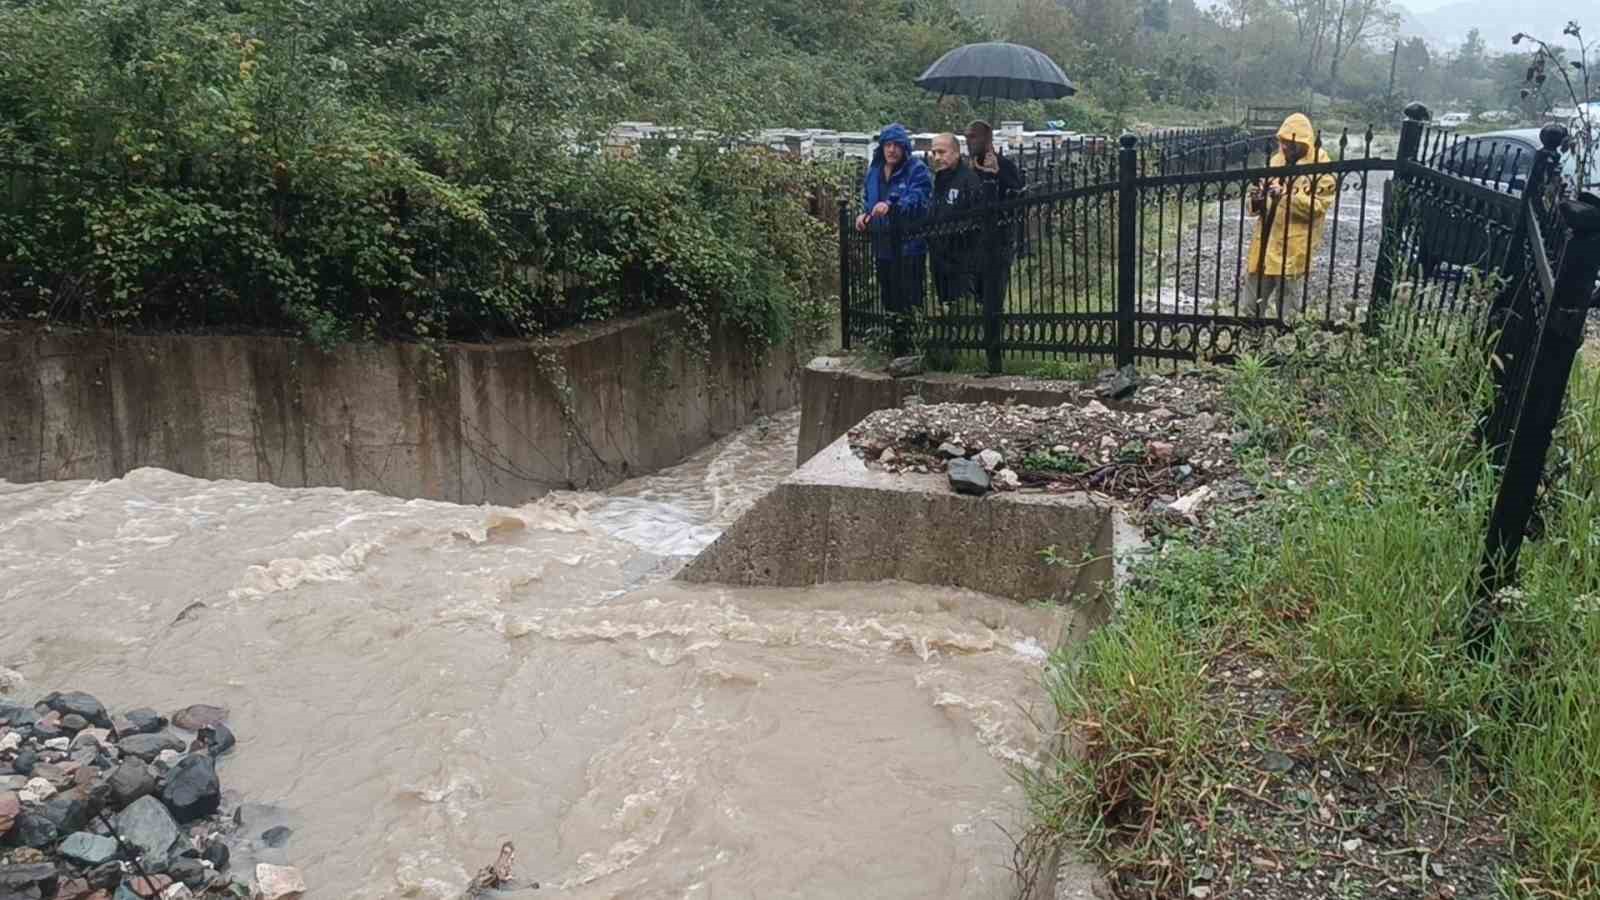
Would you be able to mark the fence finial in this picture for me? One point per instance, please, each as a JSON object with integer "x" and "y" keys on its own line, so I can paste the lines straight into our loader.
{"x": 1129, "y": 140}
{"x": 1418, "y": 112}
{"x": 1552, "y": 136}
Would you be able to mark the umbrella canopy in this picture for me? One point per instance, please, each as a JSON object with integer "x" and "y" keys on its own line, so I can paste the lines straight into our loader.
{"x": 998, "y": 70}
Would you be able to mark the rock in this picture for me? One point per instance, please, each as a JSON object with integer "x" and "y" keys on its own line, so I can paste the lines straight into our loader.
{"x": 278, "y": 882}
{"x": 15, "y": 879}
{"x": 991, "y": 460}
{"x": 79, "y": 704}
{"x": 277, "y": 836}
{"x": 1120, "y": 386}
{"x": 906, "y": 366}
{"x": 1096, "y": 408}
{"x": 11, "y": 681}
{"x": 167, "y": 759}
{"x": 72, "y": 810}
{"x": 216, "y": 853}
{"x": 968, "y": 477}
{"x": 1189, "y": 504}
{"x": 47, "y": 726}
{"x": 1161, "y": 451}
{"x": 149, "y": 746}
{"x": 10, "y": 741}
{"x": 218, "y": 739}
{"x": 191, "y": 872}
{"x": 89, "y": 849}
{"x": 34, "y": 830}
{"x": 76, "y": 889}
{"x": 13, "y": 782}
{"x": 130, "y": 781}
{"x": 178, "y": 891}
{"x": 148, "y": 887}
{"x": 141, "y": 721}
{"x": 10, "y": 808}
{"x": 41, "y": 789}
{"x": 192, "y": 790}
{"x": 74, "y": 723}
{"x": 58, "y": 743}
{"x": 1060, "y": 450}
{"x": 1351, "y": 845}
{"x": 25, "y": 761}
{"x": 105, "y": 876}
{"x": 198, "y": 716}
{"x": 92, "y": 737}
{"x": 888, "y": 456}
{"x": 952, "y": 451}
{"x": 1276, "y": 762}
{"x": 1006, "y": 480}
{"x": 147, "y": 825}
{"x": 1162, "y": 414}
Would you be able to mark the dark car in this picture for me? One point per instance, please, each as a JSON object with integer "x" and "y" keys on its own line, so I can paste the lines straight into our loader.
{"x": 1501, "y": 161}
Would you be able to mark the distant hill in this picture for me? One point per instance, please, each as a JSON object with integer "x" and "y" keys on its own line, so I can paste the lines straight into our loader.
{"x": 1448, "y": 25}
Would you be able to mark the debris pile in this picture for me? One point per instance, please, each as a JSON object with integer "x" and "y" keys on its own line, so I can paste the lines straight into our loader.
{"x": 95, "y": 806}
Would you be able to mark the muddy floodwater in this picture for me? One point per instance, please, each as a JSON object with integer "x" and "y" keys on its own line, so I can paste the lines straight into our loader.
{"x": 413, "y": 682}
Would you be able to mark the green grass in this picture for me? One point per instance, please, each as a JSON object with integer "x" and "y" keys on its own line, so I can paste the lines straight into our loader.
{"x": 1351, "y": 578}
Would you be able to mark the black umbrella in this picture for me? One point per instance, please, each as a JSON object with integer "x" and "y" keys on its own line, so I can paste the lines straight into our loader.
{"x": 999, "y": 71}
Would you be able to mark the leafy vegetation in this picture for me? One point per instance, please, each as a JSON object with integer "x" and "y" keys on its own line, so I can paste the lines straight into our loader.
{"x": 1344, "y": 595}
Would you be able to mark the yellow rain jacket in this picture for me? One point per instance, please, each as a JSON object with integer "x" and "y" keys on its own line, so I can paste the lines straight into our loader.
{"x": 1298, "y": 212}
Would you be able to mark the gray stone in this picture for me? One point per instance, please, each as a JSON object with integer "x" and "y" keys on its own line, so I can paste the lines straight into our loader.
{"x": 277, "y": 836}
{"x": 74, "y": 723}
{"x": 25, "y": 761}
{"x": 1006, "y": 480}
{"x": 80, "y": 704}
{"x": 70, "y": 810}
{"x": 968, "y": 477}
{"x": 218, "y": 739}
{"x": 15, "y": 878}
{"x": 33, "y": 830}
{"x": 991, "y": 460}
{"x": 907, "y": 366}
{"x": 147, "y": 825}
{"x": 141, "y": 721}
{"x": 198, "y": 716}
{"x": 11, "y": 711}
{"x": 1121, "y": 385}
{"x": 130, "y": 781}
{"x": 952, "y": 451}
{"x": 89, "y": 849}
{"x": 192, "y": 789}
{"x": 148, "y": 746}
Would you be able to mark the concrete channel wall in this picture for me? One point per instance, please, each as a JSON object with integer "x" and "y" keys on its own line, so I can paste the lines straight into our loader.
{"x": 476, "y": 423}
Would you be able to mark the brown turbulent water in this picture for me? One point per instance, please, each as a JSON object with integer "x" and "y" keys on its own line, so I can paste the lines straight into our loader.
{"x": 415, "y": 682}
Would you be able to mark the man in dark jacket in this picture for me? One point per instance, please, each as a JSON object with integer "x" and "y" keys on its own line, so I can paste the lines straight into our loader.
{"x": 999, "y": 173}
{"x": 898, "y": 189}
{"x": 957, "y": 244}
{"x": 1002, "y": 180}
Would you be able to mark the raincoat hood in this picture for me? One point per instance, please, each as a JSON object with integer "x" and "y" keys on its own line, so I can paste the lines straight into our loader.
{"x": 893, "y": 133}
{"x": 1297, "y": 128}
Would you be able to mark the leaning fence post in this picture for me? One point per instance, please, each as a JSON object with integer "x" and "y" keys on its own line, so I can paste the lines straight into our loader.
{"x": 1127, "y": 209}
{"x": 844, "y": 272}
{"x": 1534, "y": 426}
{"x": 1383, "y": 274}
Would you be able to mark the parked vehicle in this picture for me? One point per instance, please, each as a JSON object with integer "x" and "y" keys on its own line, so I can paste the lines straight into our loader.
{"x": 1500, "y": 161}
{"x": 1455, "y": 119}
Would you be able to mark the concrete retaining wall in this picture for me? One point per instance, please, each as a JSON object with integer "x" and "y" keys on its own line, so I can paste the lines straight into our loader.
{"x": 835, "y": 394}
{"x": 474, "y": 424}
{"x": 835, "y": 520}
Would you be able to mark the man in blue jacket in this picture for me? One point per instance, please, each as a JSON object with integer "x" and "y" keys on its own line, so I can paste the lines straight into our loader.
{"x": 898, "y": 189}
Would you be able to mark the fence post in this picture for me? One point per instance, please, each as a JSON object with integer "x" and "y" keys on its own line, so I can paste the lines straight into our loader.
{"x": 1546, "y": 165}
{"x": 1383, "y": 274}
{"x": 1127, "y": 210}
{"x": 1535, "y": 425}
{"x": 994, "y": 284}
{"x": 845, "y": 226}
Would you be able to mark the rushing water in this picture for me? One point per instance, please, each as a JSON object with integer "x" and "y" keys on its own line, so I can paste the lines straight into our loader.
{"x": 415, "y": 682}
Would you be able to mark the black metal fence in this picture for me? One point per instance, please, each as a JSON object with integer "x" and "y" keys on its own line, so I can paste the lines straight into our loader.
{"x": 1191, "y": 253}
{"x": 1141, "y": 254}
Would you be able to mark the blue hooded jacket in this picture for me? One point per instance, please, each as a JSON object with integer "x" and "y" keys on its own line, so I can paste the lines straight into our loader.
{"x": 909, "y": 191}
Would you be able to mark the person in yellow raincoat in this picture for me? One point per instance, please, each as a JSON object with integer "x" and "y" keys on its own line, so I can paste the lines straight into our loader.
{"x": 1290, "y": 211}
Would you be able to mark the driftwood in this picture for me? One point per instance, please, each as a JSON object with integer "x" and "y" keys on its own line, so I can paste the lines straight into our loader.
{"x": 496, "y": 876}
